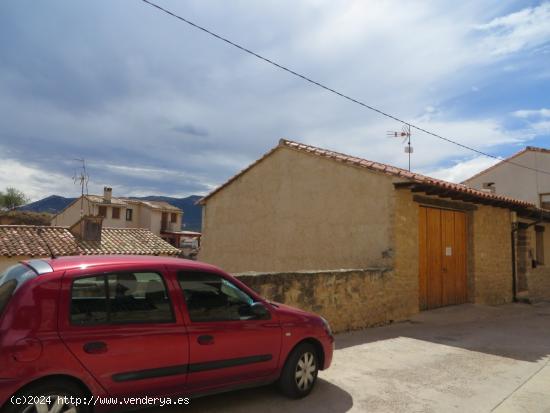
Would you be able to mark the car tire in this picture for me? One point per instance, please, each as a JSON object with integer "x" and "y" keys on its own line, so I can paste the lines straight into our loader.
{"x": 300, "y": 371}
{"x": 49, "y": 392}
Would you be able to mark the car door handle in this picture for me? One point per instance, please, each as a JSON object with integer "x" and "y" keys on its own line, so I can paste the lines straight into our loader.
{"x": 205, "y": 340}
{"x": 95, "y": 347}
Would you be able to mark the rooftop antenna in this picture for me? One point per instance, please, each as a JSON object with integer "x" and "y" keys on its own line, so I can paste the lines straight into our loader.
{"x": 406, "y": 135}
{"x": 82, "y": 179}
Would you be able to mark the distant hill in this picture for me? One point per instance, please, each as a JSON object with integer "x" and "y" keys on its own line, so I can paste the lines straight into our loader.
{"x": 52, "y": 204}
{"x": 192, "y": 214}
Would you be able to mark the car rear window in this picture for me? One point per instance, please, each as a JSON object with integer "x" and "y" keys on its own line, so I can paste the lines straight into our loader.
{"x": 10, "y": 280}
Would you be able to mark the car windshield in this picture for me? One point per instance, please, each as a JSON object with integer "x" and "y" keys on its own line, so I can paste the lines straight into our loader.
{"x": 12, "y": 278}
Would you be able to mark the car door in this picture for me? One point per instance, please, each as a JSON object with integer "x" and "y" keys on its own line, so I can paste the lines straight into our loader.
{"x": 121, "y": 325}
{"x": 228, "y": 346}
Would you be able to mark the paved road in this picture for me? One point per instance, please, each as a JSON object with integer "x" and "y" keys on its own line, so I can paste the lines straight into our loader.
{"x": 456, "y": 359}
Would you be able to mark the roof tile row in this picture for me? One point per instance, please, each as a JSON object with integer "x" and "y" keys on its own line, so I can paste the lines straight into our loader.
{"x": 39, "y": 241}
{"x": 383, "y": 168}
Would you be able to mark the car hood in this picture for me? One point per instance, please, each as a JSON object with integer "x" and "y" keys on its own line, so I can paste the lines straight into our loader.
{"x": 292, "y": 314}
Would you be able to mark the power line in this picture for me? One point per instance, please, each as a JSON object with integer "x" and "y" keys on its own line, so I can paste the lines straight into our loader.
{"x": 329, "y": 89}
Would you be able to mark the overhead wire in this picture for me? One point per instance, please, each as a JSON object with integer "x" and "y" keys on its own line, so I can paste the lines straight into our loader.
{"x": 334, "y": 91}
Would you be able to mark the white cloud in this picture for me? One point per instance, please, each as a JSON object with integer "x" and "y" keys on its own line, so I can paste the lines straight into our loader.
{"x": 34, "y": 182}
{"x": 528, "y": 113}
{"x": 525, "y": 29}
{"x": 463, "y": 170}
{"x": 541, "y": 128}
{"x": 406, "y": 58}
{"x": 537, "y": 121}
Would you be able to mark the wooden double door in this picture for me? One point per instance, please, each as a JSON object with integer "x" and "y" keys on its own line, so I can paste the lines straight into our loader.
{"x": 442, "y": 257}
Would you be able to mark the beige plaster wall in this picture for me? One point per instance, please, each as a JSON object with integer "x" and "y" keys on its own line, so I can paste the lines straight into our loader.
{"x": 71, "y": 214}
{"x": 295, "y": 211}
{"x": 109, "y": 221}
{"x": 518, "y": 182}
{"x": 154, "y": 220}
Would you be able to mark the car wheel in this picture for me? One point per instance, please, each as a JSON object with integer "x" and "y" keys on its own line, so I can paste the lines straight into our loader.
{"x": 299, "y": 372}
{"x": 50, "y": 397}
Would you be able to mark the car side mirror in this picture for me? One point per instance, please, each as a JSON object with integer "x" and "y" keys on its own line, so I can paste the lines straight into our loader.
{"x": 259, "y": 311}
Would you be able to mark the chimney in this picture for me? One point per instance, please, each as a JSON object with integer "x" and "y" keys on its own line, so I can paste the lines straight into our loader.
{"x": 88, "y": 228}
{"x": 488, "y": 187}
{"x": 107, "y": 194}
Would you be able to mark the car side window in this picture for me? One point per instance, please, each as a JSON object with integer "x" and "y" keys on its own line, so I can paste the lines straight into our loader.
{"x": 210, "y": 297}
{"x": 127, "y": 297}
{"x": 89, "y": 301}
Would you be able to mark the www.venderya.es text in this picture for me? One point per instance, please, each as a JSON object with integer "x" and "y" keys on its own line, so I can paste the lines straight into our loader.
{"x": 96, "y": 400}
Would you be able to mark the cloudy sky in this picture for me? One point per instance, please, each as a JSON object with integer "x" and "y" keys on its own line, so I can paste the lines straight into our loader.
{"x": 157, "y": 107}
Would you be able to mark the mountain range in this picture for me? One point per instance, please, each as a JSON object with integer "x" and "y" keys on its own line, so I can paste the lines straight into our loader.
{"x": 192, "y": 213}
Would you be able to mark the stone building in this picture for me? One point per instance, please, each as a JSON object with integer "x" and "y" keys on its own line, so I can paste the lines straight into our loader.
{"x": 381, "y": 237}
{"x": 525, "y": 175}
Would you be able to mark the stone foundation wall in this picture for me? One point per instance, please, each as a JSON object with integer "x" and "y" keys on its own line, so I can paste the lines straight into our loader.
{"x": 538, "y": 281}
{"x": 348, "y": 299}
{"x": 491, "y": 255}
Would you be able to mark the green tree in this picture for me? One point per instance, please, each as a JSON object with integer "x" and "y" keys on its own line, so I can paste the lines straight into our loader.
{"x": 12, "y": 198}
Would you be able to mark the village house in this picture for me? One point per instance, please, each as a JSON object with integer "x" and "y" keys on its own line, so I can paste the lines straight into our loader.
{"x": 526, "y": 176}
{"x": 362, "y": 242}
{"x": 22, "y": 242}
{"x": 159, "y": 217}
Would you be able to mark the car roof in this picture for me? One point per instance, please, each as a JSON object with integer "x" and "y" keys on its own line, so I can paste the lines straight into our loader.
{"x": 73, "y": 262}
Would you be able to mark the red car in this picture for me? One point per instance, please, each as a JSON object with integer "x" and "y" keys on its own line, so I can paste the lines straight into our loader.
{"x": 82, "y": 334}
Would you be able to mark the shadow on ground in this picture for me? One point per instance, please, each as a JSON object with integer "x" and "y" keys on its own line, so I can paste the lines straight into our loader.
{"x": 517, "y": 331}
{"x": 325, "y": 397}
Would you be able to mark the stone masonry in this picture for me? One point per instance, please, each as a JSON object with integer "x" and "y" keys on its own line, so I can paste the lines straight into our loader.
{"x": 348, "y": 299}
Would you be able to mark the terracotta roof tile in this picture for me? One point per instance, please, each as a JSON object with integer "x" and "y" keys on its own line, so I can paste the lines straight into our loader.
{"x": 383, "y": 168}
{"x": 33, "y": 241}
{"x": 133, "y": 241}
{"x": 100, "y": 200}
{"x": 153, "y": 204}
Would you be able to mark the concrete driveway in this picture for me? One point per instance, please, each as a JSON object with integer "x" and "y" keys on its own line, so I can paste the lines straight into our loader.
{"x": 464, "y": 358}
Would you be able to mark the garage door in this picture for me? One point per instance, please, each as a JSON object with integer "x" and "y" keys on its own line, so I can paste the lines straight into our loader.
{"x": 442, "y": 258}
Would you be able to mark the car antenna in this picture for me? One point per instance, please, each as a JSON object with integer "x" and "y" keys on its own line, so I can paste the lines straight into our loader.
{"x": 52, "y": 255}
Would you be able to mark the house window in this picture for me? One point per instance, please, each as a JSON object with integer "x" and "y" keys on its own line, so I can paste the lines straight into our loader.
{"x": 116, "y": 213}
{"x": 545, "y": 201}
{"x": 539, "y": 231}
{"x": 173, "y": 217}
{"x": 129, "y": 213}
{"x": 102, "y": 211}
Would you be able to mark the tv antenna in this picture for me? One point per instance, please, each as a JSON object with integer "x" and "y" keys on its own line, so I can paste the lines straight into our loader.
{"x": 82, "y": 179}
{"x": 406, "y": 135}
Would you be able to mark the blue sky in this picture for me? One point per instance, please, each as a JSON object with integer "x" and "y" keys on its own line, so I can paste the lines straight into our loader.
{"x": 157, "y": 107}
